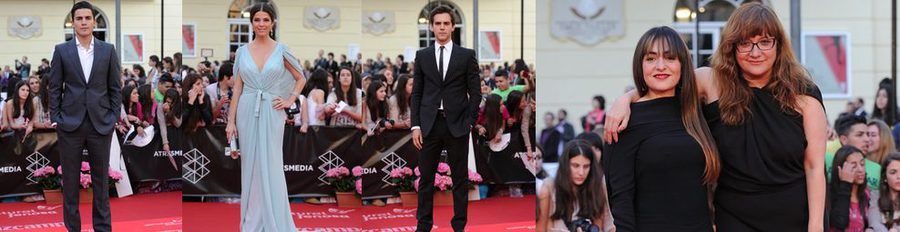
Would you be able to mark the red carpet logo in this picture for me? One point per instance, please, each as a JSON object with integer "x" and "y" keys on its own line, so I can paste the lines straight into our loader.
{"x": 38, "y": 211}
{"x": 195, "y": 166}
{"x": 54, "y": 225}
{"x": 35, "y": 161}
{"x": 173, "y": 222}
{"x": 386, "y": 216}
{"x": 339, "y": 211}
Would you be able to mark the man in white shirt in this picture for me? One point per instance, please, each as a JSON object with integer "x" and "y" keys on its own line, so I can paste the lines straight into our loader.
{"x": 84, "y": 113}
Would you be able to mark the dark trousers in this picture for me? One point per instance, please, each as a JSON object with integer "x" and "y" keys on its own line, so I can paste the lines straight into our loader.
{"x": 457, "y": 148}
{"x": 71, "y": 145}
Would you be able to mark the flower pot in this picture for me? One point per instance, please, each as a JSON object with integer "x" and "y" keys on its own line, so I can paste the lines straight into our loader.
{"x": 348, "y": 200}
{"x": 483, "y": 190}
{"x": 443, "y": 198}
{"x": 86, "y": 196}
{"x": 409, "y": 199}
{"x": 55, "y": 196}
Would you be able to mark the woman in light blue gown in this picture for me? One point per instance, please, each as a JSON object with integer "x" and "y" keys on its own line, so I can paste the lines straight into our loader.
{"x": 266, "y": 82}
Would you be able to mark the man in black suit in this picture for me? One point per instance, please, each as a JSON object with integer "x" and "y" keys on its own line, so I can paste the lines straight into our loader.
{"x": 445, "y": 99}
{"x": 85, "y": 99}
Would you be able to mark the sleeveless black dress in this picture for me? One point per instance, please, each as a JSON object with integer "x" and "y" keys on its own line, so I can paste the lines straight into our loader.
{"x": 655, "y": 172}
{"x": 762, "y": 185}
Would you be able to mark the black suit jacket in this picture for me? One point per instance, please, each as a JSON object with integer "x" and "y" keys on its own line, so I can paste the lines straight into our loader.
{"x": 71, "y": 98}
{"x": 459, "y": 89}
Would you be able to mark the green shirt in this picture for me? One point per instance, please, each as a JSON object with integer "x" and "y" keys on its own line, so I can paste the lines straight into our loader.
{"x": 504, "y": 93}
{"x": 158, "y": 96}
{"x": 873, "y": 171}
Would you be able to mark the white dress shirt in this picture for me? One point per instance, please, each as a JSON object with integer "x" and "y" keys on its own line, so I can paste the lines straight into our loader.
{"x": 448, "y": 48}
{"x": 437, "y": 58}
{"x": 86, "y": 55}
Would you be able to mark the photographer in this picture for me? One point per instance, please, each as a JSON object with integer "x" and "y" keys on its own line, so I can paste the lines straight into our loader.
{"x": 575, "y": 199}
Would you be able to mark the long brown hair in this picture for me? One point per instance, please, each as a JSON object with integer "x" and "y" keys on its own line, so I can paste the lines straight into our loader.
{"x": 887, "y": 141}
{"x": 886, "y": 203}
{"x": 590, "y": 196}
{"x": 788, "y": 77}
{"x": 686, "y": 91}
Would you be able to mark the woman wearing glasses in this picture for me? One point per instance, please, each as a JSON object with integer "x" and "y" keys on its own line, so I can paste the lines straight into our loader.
{"x": 769, "y": 124}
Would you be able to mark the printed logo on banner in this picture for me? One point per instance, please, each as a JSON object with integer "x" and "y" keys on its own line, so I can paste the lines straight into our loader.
{"x": 391, "y": 161}
{"x": 330, "y": 160}
{"x": 395, "y": 214}
{"x": 35, "y": 161}
{"x": 195, "y": 166}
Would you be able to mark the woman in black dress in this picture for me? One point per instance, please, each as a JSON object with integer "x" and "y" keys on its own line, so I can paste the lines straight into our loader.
{"x": 661, "y": 169}
{"x": 769, "y": 123}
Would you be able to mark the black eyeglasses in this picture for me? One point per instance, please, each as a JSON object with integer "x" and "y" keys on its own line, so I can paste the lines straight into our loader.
{"x": 763, "y": 45}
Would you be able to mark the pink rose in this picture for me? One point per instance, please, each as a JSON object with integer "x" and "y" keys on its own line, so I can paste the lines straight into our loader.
{"x": 39, "y": 172}
{"x": 343, "y": 171}
{"x": 359, "y": 186}
{"x": 85, "y": 166}
{"x": 332, "y": 172}
{"x": 474, "y": 177}
{"x": 59, "y": 169}
{"x": 357, "y": 171}
{"x": 395, "y": 173}
{"x": 85, "y": 180}
{"x": 115, "y": 175}
{"x": 443, "y": 167}
{"x": 49, "y": 170}
{"x": 417, "y": 172}
{"x": 407, "y": 171}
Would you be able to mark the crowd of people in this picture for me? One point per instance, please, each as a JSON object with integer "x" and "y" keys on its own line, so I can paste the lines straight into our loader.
{"x": 372, "y": 95}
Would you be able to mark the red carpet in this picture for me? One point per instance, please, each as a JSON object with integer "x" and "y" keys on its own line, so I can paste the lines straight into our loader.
{"x": 492, "y": 214}
{"x": 142, "y": 212}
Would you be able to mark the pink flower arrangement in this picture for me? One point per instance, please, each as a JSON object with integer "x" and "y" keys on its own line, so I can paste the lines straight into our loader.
{"x": 403, "y": 178}
{"x": 443, "y": 182}
{"x": 340, "y": 178}
{"x": 357, "y": 171}
{"x": 51, "y": 178}
{"x": 443, "y": 168}
{"x": 417, "y": 172}
{"x": 474, "y": 177}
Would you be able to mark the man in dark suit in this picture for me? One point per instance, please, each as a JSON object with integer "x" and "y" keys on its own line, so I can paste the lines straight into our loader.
{"x": 85, "y": 99}
{"x": 445, "y": 99}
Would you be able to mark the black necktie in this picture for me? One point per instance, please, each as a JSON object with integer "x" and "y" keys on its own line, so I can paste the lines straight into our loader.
{"x": 441, "y": 63}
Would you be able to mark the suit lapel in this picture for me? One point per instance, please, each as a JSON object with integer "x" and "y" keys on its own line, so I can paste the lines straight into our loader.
{"x": 73, "y": 50}
{"x": 454, "y": 56}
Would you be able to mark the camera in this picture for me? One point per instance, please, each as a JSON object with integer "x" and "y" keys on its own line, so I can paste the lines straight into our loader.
{"x": 585, "y": 224}
{"x": 382, "y": 123}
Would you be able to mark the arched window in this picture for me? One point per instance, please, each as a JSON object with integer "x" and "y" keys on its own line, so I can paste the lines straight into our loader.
{"x": 100, "y": 30}
{"x": 426, "y": 37}
{"x": 239, "y": 23}
{"x": 712, "y": 14}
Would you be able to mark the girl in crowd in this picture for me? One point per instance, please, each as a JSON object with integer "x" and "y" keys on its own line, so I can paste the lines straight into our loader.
{"x": 769, "y": 123}
{"x": 881, "y": 142}
{"x": 139, "y": 75}
{"x": 18, "y": 112}
{"x": 153, "y": 73}
{"x": 197, "y": 112}
{"x": 884, "y": 210}
{"x": 399, "y": 102}
{"x": 848, "y": 193}
{"x": 576, "y": 194}
{"x": 41, "y": 100}
{"x": 376, "y": 110}
{"x": 879, "y": 111}
{"x": 389, "y": 81}
{"x": 345, "y": 91}
{"x": 316, "y": 89}
{"x": 667, "y": 159}
{"x": 172, "y": 108}
{"x": 492, "y": 118}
